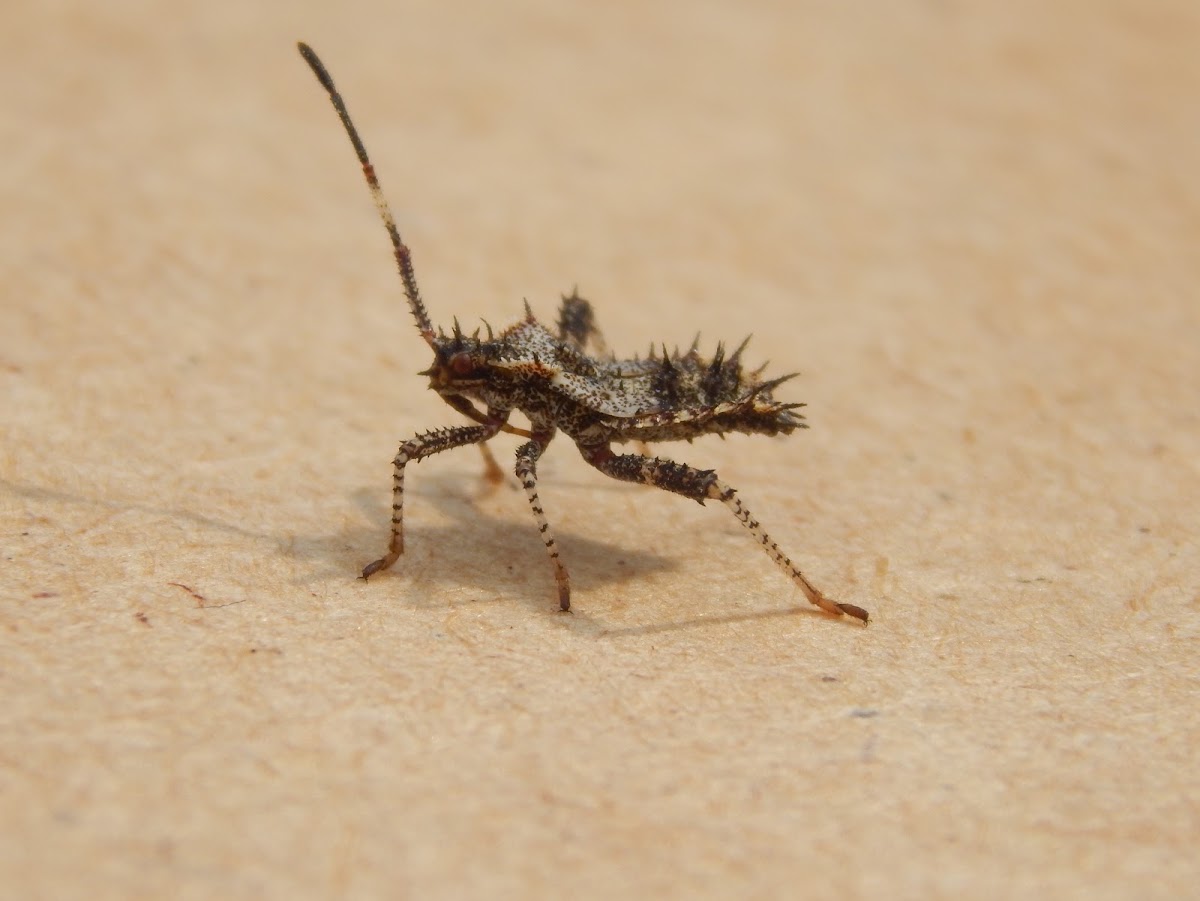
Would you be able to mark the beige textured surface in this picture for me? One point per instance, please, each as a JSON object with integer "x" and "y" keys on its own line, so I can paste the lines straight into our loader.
{"x": 974, "y": 227}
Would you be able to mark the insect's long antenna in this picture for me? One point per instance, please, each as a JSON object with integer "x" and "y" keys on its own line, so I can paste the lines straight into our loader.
{"x": 403, "y": 257}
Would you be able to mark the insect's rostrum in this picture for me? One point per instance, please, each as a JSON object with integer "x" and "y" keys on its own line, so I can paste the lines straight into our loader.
{"x": 567, "y": 381}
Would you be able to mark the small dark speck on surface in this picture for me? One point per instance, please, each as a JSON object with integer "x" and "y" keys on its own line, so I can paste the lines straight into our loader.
{"x": 863, "y": 713}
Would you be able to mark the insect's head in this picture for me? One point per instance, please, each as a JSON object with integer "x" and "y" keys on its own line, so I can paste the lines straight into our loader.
{"x": 459, "y": 362}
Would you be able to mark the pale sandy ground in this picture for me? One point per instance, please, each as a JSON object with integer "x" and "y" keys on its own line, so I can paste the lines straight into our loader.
{"x": 973, "y": 226}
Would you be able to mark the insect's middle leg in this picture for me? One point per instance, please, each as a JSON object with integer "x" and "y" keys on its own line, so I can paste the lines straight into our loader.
{"x": 410, "y": 451}
{"x": 701, "y": 485}
{"x": 526, "y": 469}
{"x": 492, "y": 473}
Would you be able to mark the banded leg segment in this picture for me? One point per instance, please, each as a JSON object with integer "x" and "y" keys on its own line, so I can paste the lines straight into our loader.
{"x": 701, "y": 485}
{"x": 415, "y": 449}
{"x": 526, "y": 469}
{"x": 718, "y": 490}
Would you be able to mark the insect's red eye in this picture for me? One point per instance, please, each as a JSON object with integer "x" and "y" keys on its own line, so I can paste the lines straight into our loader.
{"x": 460, "y": 364}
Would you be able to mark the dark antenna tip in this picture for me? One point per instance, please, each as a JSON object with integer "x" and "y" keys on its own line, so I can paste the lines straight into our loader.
{"x": 314, "y": 63}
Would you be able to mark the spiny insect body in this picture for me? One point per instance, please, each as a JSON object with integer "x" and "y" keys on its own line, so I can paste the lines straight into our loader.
{"x": 564, "y": 380}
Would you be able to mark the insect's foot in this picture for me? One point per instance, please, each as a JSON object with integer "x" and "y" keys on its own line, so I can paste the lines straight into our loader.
{"x": 383, "y": 563}
{"x": 492, "y": 473}
{"x": 819, "y": 599}
{"x": 852, "y": 610}
{"x": 564, "y": 598}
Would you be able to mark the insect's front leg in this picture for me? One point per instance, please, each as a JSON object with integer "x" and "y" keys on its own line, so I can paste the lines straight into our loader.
{"x": 492, "y": 472}
{"x": 701, "y": 485}
{"x": 417, "y": 449}
{"x": 526, "y": 469}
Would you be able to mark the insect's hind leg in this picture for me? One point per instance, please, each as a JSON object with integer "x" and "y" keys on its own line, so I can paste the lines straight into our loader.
{"x": 701, "y": 485}
{"x": 415, "y": 449}
{"x": 718, "y": 490}
{"x": 526, "y": 469}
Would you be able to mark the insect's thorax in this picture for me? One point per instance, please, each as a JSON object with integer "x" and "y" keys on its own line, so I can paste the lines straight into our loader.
{"x": 528, "y": 370}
